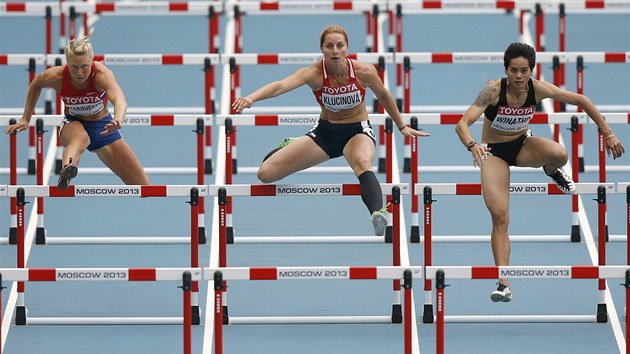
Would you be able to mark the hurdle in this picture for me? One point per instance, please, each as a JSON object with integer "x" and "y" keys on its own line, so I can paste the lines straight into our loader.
{"x": 441, "y": 274}
{"x": 305, "y": 190}
{"x": 21, "y": 192}
{"x": 186, "y": 275}
{"x": 198, "y": 121}
{"x": 220, "y": 276}
{"x": 515, "y": 188}
{"x": 236, "y": 60}
{"x": 274, "y": 120}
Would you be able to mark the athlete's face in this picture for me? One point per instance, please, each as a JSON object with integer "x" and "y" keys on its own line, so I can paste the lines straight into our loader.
{"x": 79, "y": 66}
{"x": 335, "y": 47}
{"x": 519, "y": 72}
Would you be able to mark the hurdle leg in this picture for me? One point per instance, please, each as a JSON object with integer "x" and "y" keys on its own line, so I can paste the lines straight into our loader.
{"x": 186, "y": 287}
{"x": 427, "y": 316}
{"x": 20, "y": 311}
{"x": 396, "y": 307}
{"x": 602, "y": 313}
{"x": 407, "y": 278}
{"x": 218, "y": 312}
{"x": 439, "y": 330}
{"x": 194, "y": 251}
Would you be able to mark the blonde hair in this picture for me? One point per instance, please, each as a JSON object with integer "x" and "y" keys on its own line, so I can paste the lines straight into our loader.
{"x": 80, "y": 47}
{"x": 333, "y": 29}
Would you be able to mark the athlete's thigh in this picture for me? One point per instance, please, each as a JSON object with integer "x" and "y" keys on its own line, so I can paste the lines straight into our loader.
{"x": 536, "y": 151}
{"x": 495, "y": 183}
{"x": 121, "y": 159}
{"x": 299, "y": 155}
{"x": 72, "y": 131}
{"x": 359, "y": 151}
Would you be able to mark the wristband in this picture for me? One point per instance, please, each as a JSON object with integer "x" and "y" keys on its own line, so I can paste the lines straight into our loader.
{"x": 471, "y": 144}
{"x": 403, "y": 127}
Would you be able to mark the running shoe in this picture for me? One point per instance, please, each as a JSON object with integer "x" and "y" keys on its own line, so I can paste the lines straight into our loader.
{"x": 68, "y": 172}
{"x": 502, "y": 294}
{"x": 379, "y": 221}
{"x": 286, "y": 141}
{"x": 563, "y": 181}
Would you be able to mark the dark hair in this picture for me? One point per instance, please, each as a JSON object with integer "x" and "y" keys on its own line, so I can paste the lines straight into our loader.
{"x": 516, "y": 50}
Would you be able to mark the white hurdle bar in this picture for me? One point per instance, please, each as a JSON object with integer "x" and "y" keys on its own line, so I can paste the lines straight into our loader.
{"x": 19, "y": 193}
{"x": 223, "y": 192}
{"x": 601, "y": 189}
{"x": 532, "y": 272}
{"x": 288, "y": 120}
{"x": 300, "y": 190}
{"x": 185, "y": 275}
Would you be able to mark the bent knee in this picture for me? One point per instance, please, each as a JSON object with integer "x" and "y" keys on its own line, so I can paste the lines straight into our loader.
{"x": 265, "y": 176}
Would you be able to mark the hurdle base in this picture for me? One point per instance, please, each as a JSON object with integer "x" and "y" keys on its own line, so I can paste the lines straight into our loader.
{"x": 13, "y": 235}
{"x": 389, "y": 234}
{"x": 202, "y": 235}
{"x": 31, "y": 167}
{"x": 40, "y": 236}
{"x": 207, "y": 167}
{"x": 229, "y": 235}
{"x": 414, "y": 234}
{"x": 427, "y": 314}
{"x": 195, "y": 315}
{"x": 602, "y": 313}
{"x": 397, "y": 316}
{"x": 575, "y": 233}
{"x": 20, "y": 315}
{"x": 226, "y": 316}
{"x": 58, "y": 166}
{"x": 382, "y": 168}
{"x": 407, "y": 165}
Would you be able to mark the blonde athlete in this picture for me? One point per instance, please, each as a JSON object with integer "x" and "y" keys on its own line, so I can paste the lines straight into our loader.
{"x": 85, "y": 86}
{"x": 343, "y": 129}
{"x": 508, "y": 104}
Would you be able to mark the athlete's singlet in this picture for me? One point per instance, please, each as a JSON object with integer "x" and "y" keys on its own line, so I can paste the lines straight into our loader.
{"x": 337, "y": 98}
{"x": 511, "y": 119}
{"x": 85, "y": 102}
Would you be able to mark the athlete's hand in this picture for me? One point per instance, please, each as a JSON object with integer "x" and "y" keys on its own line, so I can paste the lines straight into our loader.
{"x": 409, "y": 131}
{"x": 112, "y": 127}
{"x": 17, "y": 127}
{"x": 479, "y": 153}
{"x": 613, "y": 146}
{"x": 241, "y": 103}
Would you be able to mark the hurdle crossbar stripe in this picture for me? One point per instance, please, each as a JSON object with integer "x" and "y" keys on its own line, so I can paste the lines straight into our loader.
{"x": 22, "y": 59}
{"x": 312, "y": 273}
{"x": 270, "y": 190}
{"x": 519, "y": 319}
{"x": 622, "y": 187}
{"x": 497, "y": 57}
{"x": 532, "y": 272}
{"x": 245, "y": 320}
{"x": 29, "y": 8}
{"x": 144, "y": 8}
{"x": 77, "y": 321}
{"x": 283, "y": 119}
{"x": 130, "y": 119}
{"x": 307, "y": 239}
{"x": 105, "y": 191}
{"x": 297, "y": 58}
{"x": 515, "y": 188}
{"x": 117, "y": 240}
{"x": 283, "y": 7}
{"x": 98, "y": 274}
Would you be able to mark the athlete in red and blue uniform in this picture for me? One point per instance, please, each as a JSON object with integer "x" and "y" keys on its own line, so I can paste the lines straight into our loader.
{"x": 343, "y": 128}
{"x": 85, "y": 87}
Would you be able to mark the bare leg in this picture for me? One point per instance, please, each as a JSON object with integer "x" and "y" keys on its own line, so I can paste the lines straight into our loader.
{"x": 121, "y": 159}
{"x": 495, "y": 184}
{"x": 75, "y": 141}
{"x": 299, "y": 155}
{"x": 542, "y": 152}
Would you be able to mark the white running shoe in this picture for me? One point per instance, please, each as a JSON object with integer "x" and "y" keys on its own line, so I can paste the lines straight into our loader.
{"x": 502, "y": 294}
{"x": 563, "y": 181}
